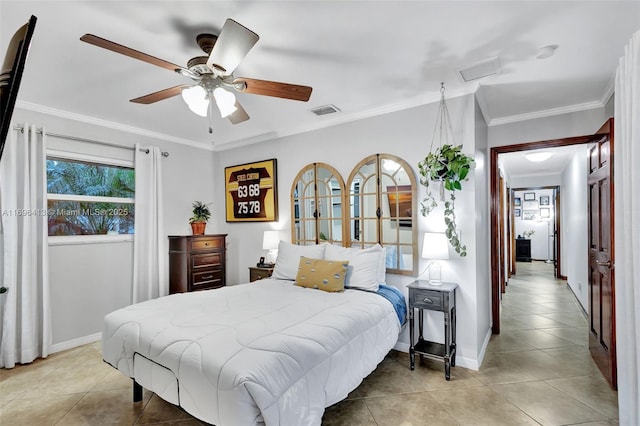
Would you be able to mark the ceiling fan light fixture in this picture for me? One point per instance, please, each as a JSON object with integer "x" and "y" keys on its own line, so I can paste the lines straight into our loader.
{"x": 225, "y": 100}
{"x": 196, "y": 99}
{"x": 538, "y": 157}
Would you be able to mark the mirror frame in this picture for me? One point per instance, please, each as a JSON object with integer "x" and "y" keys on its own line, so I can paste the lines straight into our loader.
{"x": 377, "y": 159}
{"x": 314, "y": 167}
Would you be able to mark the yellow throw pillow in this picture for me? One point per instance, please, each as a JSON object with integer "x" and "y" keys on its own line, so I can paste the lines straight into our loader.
{"x": 327, "y": 275}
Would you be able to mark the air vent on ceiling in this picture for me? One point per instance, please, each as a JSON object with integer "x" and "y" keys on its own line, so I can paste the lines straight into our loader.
{"x": 325, "y": 109}
{"x": 481, "y": 69}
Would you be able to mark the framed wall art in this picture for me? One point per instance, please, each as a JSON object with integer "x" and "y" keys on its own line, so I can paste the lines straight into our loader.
{"x": 530, "y": 205}
{"x": 529, "y": 196}
{"x": 517, "y": 201}
{"x": 251, "y": 192}
{"x": 516, "y": 212}
{"x": 545, "y": 212}
{"x": 544, "y": 200}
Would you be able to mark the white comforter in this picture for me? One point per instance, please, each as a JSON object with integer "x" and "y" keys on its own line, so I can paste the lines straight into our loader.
{"x": 267, "y": 352}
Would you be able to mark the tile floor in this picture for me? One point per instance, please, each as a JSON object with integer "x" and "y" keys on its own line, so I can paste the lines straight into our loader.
{"x": 538, "y": 371}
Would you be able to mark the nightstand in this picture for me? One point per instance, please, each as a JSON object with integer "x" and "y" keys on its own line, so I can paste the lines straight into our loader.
{"x": 424, "y": 296}
{"x": 259, "y": 272}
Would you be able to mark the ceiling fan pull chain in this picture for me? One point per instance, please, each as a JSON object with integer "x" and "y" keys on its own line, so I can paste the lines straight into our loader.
{"x": 210, "y": 114}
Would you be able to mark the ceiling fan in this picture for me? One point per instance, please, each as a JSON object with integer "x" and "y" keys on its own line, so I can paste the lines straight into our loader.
{"x": 213, "y": 74}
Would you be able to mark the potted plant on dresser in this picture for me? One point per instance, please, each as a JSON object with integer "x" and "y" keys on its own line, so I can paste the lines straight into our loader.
{"x": 199, "y": 218}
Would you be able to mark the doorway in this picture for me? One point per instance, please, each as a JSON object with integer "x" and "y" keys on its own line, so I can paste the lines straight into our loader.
{"x": 497, "y": 278}
{"x": 536, "y": 226}
{"x": 600, "y": 284}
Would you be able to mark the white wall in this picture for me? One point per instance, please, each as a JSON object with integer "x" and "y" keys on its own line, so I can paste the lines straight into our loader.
{"x": 575, "y": 230}
{"x": 406, "y": 134}
{"x": 91, "y": 280}
{"x": 541, "y": 243}
{"x": 555, "y": 127}
{"x": 483, "y": 241}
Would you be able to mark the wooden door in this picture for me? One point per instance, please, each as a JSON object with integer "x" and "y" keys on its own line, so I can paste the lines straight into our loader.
{"x": 501, "y": 234}
{"x": 602, "y": 336}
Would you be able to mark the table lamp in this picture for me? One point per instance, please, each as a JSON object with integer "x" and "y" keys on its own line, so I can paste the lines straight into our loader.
{"x": 435, "y": 247}
{"x": 270, "y": 241}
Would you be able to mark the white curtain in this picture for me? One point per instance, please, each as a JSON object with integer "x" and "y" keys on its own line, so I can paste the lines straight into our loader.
{"x": 25, "y": 307}
{"x": 149, "y": 247}
{"x": 627, "y": 230}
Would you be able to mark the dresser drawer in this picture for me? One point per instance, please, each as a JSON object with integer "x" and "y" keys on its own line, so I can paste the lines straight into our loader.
{"x": 206, "y": 260}
{"x": 207, "y": 243}
{"x": 207, "y": 277}
{"x": 427, "y": 299}
{"x": 196, "y": 262}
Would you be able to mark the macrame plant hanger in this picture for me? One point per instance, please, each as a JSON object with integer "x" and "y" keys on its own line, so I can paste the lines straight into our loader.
{"x": 442, "y": 130}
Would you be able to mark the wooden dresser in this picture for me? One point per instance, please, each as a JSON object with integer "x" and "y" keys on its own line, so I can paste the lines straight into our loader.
{"x": 196, "y": 262}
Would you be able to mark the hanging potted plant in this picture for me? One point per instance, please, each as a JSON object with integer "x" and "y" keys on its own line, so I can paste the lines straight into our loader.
{"x": 200, "y": 217}
{"x": 449, "y": 166}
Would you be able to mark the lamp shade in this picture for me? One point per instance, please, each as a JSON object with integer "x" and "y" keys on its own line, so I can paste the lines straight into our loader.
{"x": 196, "y": 99}
{"x": 225, "y": 100}
{"x": 435, "y": 246}
{"x": 270, "y": 240}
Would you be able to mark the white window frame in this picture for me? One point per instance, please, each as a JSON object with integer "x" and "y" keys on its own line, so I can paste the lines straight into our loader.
{"x": 56, "y": 240}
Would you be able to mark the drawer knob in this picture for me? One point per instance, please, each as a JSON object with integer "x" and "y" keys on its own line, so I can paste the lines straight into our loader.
{"x": 207, "y": 277}
{"x": 427, "y": 300}
{"x": 206, "y": 244}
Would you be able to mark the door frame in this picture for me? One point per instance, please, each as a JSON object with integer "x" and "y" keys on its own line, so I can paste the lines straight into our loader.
{"x": 556, "y": 225}
{"x": 494, "y": 204}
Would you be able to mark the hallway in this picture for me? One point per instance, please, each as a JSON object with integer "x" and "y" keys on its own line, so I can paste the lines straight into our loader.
{"x": 544, "y": 347}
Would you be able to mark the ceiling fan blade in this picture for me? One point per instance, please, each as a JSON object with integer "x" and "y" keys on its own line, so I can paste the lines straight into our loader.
{"x": 233, "y": 44}
{"x": 132, "y": 53}
{"x": 239, "y": 115}
{"x": 160, "y": 95}
{"x": 274, "y": 88}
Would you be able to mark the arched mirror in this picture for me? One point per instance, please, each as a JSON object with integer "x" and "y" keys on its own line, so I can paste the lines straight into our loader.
{"x": 317, "y": 205}
{"x": 382, "y": 209}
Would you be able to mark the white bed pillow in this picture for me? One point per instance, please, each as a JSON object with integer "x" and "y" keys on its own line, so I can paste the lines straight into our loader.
{"x": 365, "y": 265}
{"x": 288, "y": 260}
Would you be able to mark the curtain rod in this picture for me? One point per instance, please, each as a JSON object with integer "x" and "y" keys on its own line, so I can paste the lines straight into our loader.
{"x": 75, "y": 138}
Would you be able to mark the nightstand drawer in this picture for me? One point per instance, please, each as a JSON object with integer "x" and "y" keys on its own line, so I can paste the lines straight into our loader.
{"x": 256, "y": 274}
{"x": 207, "y": 277}
{"x": 206, "y": 243}
{"x": 427, "y": 299}
{"x": 206, "y": 260}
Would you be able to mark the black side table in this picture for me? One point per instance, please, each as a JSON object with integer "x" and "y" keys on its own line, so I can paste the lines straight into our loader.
{"x": 425, "y": 296}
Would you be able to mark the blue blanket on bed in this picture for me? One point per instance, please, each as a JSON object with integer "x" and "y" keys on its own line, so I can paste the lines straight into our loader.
{"x": 396, "y": 298}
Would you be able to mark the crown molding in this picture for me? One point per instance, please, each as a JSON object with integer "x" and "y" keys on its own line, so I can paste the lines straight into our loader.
{"x": 344, "y": 118}
{"x": 608, "y": 91}
{"x": 484, "y": 107}
{"x": 108, "y": 124}
{"x": 545, "y": 113}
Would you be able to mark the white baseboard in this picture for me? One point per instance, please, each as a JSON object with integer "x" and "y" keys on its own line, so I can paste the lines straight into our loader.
{"x": 471, "y": 364}
{"x": 74, "y": 343}
{"x": 483, "y": 349}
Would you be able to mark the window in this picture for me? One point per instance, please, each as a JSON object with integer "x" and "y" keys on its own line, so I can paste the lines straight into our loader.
{"x": 87, "y": 197}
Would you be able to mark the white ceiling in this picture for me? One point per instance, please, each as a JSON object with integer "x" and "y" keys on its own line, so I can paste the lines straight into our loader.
{"x": 516, "y": 165}
{"x": 366, "y": 57}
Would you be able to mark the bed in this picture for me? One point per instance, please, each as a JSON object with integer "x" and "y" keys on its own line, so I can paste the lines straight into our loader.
{"x": 269, "y": 352}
